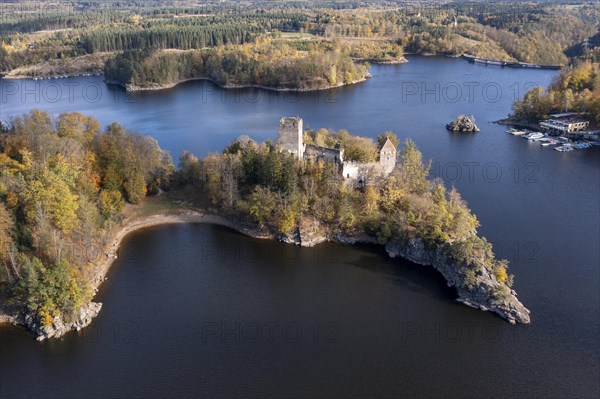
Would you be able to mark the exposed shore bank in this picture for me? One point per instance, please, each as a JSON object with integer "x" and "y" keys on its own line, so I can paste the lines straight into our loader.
{"x": 72, "y": 68}
{"x": 518, "y": 123}
{"x": 375, "y": 61}
{"x": 85, "y": 65}
{"x": 156, "y": 87}
{"x": 87, "y": 313}
{"x": 51, "y": 77}
{"x": 307, "y": 235}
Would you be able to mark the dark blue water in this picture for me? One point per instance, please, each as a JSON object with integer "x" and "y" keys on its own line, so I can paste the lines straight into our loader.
{"x": 184, "y": 304}
{"x": 414, "y": 100}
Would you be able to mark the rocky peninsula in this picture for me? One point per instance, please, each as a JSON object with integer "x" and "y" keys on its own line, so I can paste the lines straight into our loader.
{"x": 308, "y": 234}
{"x": 440, "y": 257}
{"x": 306, "y": 188}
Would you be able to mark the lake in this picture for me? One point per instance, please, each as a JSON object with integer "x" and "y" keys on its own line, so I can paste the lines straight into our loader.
{"x": 194, "y": 310}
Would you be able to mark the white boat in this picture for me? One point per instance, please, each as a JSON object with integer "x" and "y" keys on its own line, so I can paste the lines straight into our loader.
{"x": 515, "y": 132}
{"x": 549, "y": 142}
{"x": 564, "y": 148}
{"x": 535, "y": 136}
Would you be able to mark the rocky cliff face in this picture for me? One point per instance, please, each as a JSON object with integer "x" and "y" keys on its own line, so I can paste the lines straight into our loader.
{"x": 58, "y": 326}
{"x": 310, "y": 233}
{"x": 481, "y": 296}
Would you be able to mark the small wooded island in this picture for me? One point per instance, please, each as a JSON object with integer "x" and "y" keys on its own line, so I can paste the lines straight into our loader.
{"x": 69, "y": 193}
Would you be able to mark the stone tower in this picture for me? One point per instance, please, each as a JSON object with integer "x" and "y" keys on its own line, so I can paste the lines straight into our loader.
{"x": 387, "y": 157}
{"x": 290, "y": 136}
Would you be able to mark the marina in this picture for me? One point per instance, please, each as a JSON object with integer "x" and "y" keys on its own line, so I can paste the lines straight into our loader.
{"x": 561, "y": 144}
{"x": 567, "y": 131}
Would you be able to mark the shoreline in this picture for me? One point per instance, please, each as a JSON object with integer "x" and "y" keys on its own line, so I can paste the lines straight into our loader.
{"x": 509, "y": 64}
{"x": 82, "y": 65}
{"x": 129, "y": 226}
{"x": 109, "y": 255}
{"x": 157, "y": 87}
{"x": 412, "y": 250}
{"x": 100, "y": 72}
{"x": 52, "y": 77}
{"x": 184, "y": 216}
{"x": 432, "y": 55}
{"x": 517, "y": 123}
{"x": 373, "y": 61}
{"x": 137, "y": 89}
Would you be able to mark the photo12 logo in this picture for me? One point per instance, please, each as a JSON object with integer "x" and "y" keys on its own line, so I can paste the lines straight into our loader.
{"x": 52, "y": 92}
{"x": 454, "y": 92}
{"x": 486, "y": 172}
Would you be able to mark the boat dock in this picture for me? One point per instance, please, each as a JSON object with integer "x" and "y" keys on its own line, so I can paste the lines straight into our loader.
{"x": 508, "y": 64}
{"x": 561, "y": 144}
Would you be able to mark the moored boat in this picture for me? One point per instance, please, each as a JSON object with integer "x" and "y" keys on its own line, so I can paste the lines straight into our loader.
{"x": 515, "y": 132}
{"x": 549, "y": 142}
{"x": 535, "y": 136}
{"x": 564, "y": 148}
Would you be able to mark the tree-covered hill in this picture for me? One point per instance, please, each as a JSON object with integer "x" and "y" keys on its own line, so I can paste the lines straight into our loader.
{"x": 576, "y": 89}
{"x": 274, "y": 65}
{"x": 536, "y": 32}
{"x": 63, "y": 186}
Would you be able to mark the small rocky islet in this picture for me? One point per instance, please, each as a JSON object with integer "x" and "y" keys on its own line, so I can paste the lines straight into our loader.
{"x": 463, "y": 124}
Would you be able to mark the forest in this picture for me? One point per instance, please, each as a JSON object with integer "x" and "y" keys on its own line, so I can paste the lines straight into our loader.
{"x": 63, "y": 186}
{"x": 256, "y": 183}
{"x": 576, "y": 89}
{"x": 537, "y": 32}
{"x": 266, "y": 63}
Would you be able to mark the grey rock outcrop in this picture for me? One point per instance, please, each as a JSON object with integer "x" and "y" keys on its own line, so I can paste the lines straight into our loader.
{"x": 310, "y": 232}
{"x": 483, "y": 295}
{"x": 58, "y": 326}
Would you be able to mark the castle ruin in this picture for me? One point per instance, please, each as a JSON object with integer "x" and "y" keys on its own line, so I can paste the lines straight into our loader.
{"x": 291, "y": 139}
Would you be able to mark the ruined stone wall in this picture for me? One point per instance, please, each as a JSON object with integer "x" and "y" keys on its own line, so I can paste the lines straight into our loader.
{"x": 387, "y": 163}
{"x": 365, "y": 171}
